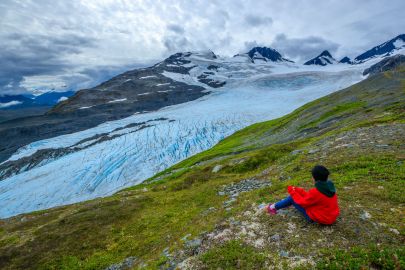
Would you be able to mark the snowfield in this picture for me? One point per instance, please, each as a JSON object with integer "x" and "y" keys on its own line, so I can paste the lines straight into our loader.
{"x": 145, "y": 144}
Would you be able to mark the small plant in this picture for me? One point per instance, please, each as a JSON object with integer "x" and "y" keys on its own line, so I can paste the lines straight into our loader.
{"x": 233, "y": 255}
{"x": 359, "y": 258}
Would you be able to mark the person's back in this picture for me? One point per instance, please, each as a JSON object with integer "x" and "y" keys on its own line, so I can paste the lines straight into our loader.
{"x": 319, "y": 204}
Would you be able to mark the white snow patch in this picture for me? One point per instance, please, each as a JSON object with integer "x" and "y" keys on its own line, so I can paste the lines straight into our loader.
{"x": 161, "y": 84}
{"x": 10, "y": 103}
{"x": 164, "y": 91}
{"x": 184, "y": 78}
{"x": 144, "y": 94}
{"x": 399, "y": 43}
{"x": 117, "y": 100}
{"x": 85, "y": 107}
{"x": 189, "y": 65}
{"x": 62, "y": 99}
{"x": 147, "y": 77}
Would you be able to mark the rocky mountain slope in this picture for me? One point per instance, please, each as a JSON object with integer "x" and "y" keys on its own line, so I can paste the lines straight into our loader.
{"x": 386, "y": 64}
{"x": 135, "y": 91}
{"x": 204, "y": 213}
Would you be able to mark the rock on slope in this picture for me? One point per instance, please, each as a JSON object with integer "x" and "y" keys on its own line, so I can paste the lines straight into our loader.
{"x": 386, "y": 64}
{"x": 196, "y": 217}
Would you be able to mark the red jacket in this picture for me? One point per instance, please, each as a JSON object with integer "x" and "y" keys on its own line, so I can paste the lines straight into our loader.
{"x": 319, "y": 207}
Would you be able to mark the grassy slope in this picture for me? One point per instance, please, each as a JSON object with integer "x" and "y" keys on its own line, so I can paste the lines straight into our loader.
{"x": 347, "y": 131}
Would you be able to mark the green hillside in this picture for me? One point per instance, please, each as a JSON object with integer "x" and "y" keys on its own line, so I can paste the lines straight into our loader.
{"x": 203, "y": 213}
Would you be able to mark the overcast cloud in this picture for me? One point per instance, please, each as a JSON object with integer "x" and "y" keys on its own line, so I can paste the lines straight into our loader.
{"x": 74, "y": 44}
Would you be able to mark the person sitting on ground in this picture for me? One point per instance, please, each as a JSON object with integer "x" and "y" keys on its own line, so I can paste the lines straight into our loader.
{"x": 319, "y": 204}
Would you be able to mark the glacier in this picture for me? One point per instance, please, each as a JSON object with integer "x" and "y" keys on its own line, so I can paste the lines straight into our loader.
{"x": 144, "y": 144}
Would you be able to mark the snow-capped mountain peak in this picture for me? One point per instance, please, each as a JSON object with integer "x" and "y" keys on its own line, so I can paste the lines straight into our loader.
{"x": 266, "y": 54}
{"x": 384, "y": 49}
{"x": 325, "y": 58}
{"x": 326, "y": 53}
{"x": 346, "y": 60}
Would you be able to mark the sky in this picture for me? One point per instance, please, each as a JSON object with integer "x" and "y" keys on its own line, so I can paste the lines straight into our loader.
{"x": 76, "y": 44}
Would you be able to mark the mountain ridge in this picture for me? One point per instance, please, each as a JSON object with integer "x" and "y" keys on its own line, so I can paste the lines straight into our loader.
{"x": 383, "y": 49}
{"x": 272, "y": 55}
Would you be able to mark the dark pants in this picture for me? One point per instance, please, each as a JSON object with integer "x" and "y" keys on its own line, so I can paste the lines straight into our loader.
{"x": 288, "y": 202}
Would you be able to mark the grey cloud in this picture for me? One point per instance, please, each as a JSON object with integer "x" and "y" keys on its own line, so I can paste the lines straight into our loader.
{"x": 30, "y": 55}
{"x": 221, "y": 18}
{"x": 175, "y": 28}
{"x": 90, "y": 77}
{"x": 175, "y": 43}
{"x": 302, "y": 49}
{"x": 255, "y": 20}
{"x": 249, "y": 45}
